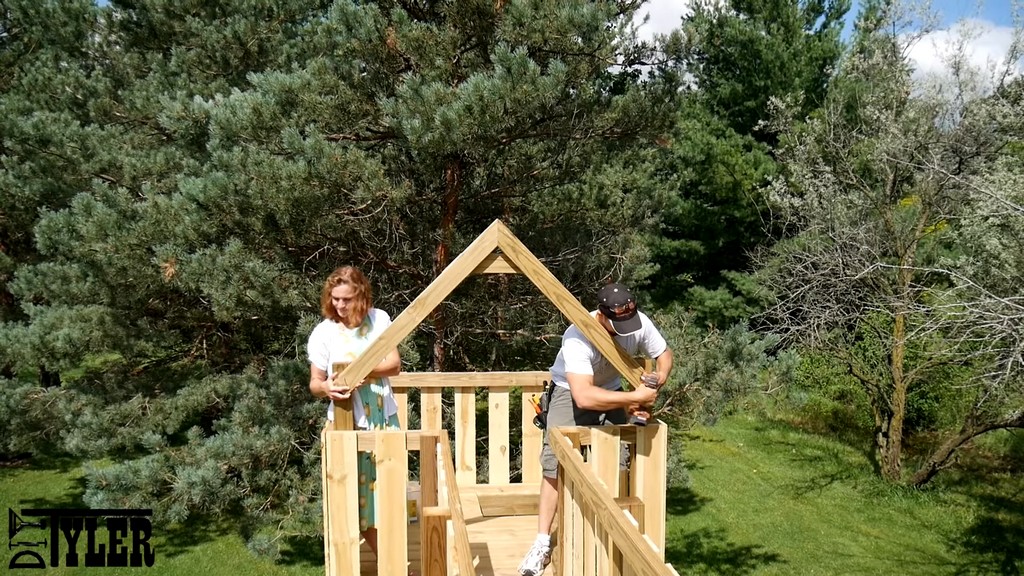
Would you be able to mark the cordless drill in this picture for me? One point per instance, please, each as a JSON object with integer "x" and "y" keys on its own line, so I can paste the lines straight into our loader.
{"x": 651, "y": 381}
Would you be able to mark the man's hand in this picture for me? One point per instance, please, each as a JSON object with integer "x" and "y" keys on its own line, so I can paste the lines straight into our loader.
{"x": 644, "y": 396}
{"x": 638, "y": 412}
{"x": 651, "y": 379}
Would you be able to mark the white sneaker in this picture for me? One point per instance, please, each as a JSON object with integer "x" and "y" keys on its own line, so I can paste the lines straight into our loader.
{"x": 536, "y": 560}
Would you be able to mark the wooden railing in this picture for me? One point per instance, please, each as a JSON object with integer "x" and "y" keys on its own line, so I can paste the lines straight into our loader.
{"x": 498, "y": 385}
{"x": 610, "y": 523}
{"x": 440, "y": 502}
{"x": 600, "y": 532}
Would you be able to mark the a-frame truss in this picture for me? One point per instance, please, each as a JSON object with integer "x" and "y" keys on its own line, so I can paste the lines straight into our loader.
{"x": 496, "y": 250}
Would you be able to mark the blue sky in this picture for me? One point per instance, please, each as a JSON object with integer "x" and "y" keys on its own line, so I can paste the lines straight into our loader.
{"x": 666, "y": 14}
{"x": 998, "y": 12}
{"x": 992, "y": 36}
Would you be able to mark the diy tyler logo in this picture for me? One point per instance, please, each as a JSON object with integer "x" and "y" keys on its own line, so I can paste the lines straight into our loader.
{"x": 54, "y": 534}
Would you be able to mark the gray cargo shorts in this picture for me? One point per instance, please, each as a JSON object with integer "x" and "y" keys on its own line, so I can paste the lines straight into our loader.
{"x": 563, "y": 411}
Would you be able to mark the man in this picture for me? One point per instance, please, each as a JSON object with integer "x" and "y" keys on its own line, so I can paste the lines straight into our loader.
{"x": 587, "y": 391}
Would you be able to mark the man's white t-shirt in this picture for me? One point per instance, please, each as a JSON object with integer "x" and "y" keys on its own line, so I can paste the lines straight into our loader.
{"x": 332, "y": 342}
{"x": 578, "y": 356}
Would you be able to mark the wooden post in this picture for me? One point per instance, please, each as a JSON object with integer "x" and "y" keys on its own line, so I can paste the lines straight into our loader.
{"x": 342, "y": 503}
{"x": 324, "y": 496}
{"x": 498, "y": 439}
{"x": 434, "y": 541}
{"x": 649, "y": 472}
{"x": 533, "y": 439}
{"x": 430, "y": 409}
{"x": 465, "y": 436}
{"x": 392, "y": 512}
{"x": 605, "y": 451}
{"x": 344, "y": 417}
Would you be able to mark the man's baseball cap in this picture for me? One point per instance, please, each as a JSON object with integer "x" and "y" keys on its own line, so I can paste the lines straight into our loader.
{"x": 617, "y": 304}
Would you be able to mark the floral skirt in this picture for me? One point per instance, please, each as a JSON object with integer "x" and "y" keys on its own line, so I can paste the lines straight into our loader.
{"x": 373, "y": 406}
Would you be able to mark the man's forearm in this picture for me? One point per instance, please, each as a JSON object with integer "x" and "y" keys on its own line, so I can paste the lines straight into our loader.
{"x": 663, "y": 365}
{"x": 599, "y": 399}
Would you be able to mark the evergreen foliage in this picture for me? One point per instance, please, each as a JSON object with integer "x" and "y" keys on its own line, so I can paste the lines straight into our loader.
{"x": 715, "y": 169}
{"x": 714, "y": 213}
{"x": 718, "y": 372}
{"x": 747, "y": 52}
{"x": 183, "y": 176}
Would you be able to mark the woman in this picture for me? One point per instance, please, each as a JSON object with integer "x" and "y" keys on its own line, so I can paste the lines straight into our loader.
{"x": 350, "y": 324}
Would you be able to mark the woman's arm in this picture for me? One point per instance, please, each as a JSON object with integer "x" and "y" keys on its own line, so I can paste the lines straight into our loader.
{"x": 320, "y": 387}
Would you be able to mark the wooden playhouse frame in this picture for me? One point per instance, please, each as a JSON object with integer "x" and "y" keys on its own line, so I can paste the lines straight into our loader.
{"x": 609, "y": 523}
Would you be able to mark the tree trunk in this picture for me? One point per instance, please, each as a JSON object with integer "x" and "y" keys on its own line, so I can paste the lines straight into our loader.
{"x": 49, "y": 379}
{"x": 890, "y": 438}
{"x": 449, "y": 208}
{"x": 941, "y": 457}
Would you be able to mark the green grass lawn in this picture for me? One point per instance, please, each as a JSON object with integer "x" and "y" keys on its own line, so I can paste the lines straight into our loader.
{"x": 198, "y": 549}
{"x": 763, "y": 498}
{"x": 766, "y": 498}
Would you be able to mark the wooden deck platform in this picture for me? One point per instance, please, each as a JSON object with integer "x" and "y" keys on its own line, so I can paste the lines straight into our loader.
{"x": 498, "y": 543}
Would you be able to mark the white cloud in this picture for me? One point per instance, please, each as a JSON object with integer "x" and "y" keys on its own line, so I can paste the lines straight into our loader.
{"x": 984, "y": 46}
{"x": 985, "y": 43}
{"x": 664, "y": 16}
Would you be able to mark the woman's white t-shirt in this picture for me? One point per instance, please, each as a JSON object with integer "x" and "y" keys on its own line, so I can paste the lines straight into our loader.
{"x": 332, "y": 342}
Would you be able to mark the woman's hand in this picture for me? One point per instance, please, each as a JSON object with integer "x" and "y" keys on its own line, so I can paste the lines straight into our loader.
{"x": 337, "y": 393}
{"x": 339, "y": 384}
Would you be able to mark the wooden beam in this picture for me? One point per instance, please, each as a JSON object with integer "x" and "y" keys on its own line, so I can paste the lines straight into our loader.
{"x": 402, "y": 400}
{"x": 605, "y": 454}
{"x": 430, "y": 409}
{"x": 434, "y": 541}
{"x": 423, "y": 305}
{"x": 392, "y": 519}
{"x": 498, "y": 462}
{"x": 533, "y": 379}
{"x": 568, "y": 304}
{"x": 342, "y": 497}
{"x": 496, "y": 263}
{"x": 463, "y": 553}
{"x": 465, "y": 436}
{"x": 627, "y": 433}
{"x": 507, "y": 499}
{"x": 428, "y": 470}
{"x": 605, "y": 451}
{"x": 533, "y": 442}
{"x": 325, "y": 496}
{"x": 649, "y": 469}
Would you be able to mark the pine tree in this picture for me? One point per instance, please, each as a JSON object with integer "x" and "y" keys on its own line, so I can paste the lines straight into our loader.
{"x": 743, "y": 53}
{"x": 719, "y": 159}
{"x": 245, "y": 149}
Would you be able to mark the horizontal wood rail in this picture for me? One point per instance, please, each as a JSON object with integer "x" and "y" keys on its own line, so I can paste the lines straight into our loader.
{"x": 598, "y": 531}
